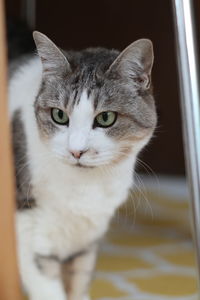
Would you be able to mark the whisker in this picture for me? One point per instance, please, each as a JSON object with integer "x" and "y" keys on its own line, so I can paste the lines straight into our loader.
{"x": 143, "y": 192}
{"x": 148, "y": 169}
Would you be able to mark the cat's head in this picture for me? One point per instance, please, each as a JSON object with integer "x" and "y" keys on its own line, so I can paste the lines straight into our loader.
{"x": 95, "y": 107}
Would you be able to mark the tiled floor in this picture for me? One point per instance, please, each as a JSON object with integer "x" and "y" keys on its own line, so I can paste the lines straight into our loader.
{"x": 148, "y": 254}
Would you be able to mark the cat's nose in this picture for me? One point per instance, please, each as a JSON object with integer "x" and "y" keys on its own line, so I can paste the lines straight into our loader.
{"x": 77, "y": 154}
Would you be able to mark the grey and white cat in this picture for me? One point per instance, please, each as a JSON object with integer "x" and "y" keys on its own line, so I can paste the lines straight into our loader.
{"x": 79, "y": 120}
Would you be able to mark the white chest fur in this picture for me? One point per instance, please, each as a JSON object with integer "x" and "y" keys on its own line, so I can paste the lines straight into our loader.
{"x": 74, "y": 205}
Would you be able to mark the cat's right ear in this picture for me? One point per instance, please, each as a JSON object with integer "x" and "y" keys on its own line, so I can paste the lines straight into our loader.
{"x": 53, "y": 60}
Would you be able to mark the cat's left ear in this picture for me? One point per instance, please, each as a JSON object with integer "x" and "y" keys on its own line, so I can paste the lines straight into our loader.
{"x": 135, "y": 62}
{"x": 53, "y": 60}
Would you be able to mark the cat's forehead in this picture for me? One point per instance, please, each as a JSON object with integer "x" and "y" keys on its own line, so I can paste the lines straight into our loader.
{"x": 88, "y": 75}
{"x": 82, "y": 108}
{"x": 81, "y": 87}
{"x": 62, "y": 93}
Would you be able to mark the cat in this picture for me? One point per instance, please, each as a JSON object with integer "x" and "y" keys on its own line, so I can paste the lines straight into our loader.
{"x": 79, "y": 120}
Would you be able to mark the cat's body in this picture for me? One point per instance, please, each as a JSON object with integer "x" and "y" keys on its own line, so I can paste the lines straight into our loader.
{"x": 71, "y": 178}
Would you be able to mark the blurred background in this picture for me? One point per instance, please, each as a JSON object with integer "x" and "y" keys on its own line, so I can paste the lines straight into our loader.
{"x": 113, "y": 24}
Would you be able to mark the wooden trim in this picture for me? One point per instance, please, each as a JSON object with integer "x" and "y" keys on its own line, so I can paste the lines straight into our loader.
{"x": 9, "y": 279}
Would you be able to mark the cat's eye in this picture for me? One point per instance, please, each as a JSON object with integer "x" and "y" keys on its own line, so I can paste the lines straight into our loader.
{"x": 59, "y": 116}
{"x": 105, "y": 119}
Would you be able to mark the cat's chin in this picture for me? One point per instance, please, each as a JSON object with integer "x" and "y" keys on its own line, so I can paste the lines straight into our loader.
{"x": 86, "y": 164}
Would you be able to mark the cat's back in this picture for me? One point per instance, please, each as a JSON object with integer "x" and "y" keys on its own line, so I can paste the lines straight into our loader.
{"x": 24, "y": 83}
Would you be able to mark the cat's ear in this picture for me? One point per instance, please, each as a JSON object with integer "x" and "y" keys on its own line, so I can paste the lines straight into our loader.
{"x": 136, "y": 62}
{"x": 53, "y": 60}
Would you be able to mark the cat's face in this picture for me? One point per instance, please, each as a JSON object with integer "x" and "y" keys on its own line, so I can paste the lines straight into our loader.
{"x": 95, "y": 107}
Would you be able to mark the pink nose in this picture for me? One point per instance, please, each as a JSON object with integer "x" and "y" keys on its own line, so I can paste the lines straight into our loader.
{"x": 77, "y": 154}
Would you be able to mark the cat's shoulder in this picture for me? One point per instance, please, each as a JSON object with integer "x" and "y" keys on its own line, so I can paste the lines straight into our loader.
{"x": 26, "y": 63}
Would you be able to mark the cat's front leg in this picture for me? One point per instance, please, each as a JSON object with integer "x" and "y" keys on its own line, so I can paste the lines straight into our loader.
{"x": 42, "y": 281}
{"x": 41, "y": 276}
{"x": 77, "y": 272}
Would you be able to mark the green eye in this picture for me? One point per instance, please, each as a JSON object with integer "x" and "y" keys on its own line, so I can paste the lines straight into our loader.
{"x": 59, "y": 116}
{"x": 105, "y": 119}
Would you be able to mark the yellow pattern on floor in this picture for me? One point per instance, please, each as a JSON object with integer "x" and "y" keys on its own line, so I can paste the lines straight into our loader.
{"x": 149, "y": 254}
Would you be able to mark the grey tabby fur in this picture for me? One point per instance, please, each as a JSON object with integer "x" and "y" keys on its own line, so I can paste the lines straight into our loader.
{"x": 22, "y": 172}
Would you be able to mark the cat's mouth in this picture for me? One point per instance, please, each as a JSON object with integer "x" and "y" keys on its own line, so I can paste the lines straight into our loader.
{"x": 78, "y": 164}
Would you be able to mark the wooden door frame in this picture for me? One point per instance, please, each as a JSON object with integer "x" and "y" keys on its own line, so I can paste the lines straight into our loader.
{"x": 9, "y": 279}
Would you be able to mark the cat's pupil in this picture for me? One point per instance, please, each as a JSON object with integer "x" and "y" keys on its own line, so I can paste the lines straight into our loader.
{"x": 105, "y": 116}
{"x": 60, "y": 114}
